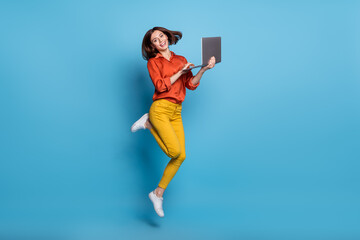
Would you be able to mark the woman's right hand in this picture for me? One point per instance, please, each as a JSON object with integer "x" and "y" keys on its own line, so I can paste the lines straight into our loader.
{"x": 177, "y": 75}
{"x": 184, "y": 70}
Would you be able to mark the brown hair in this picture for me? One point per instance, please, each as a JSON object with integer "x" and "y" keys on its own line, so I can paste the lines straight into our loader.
{"x": 148, "y": 50}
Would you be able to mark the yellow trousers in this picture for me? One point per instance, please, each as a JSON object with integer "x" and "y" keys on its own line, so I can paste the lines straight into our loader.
{"x": 168, "y": 131}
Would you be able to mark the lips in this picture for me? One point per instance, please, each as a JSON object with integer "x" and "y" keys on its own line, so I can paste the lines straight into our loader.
{"x": 163, "y": 44}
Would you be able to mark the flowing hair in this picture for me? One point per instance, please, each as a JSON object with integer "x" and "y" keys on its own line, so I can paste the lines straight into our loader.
{"x": 147, "y": 48}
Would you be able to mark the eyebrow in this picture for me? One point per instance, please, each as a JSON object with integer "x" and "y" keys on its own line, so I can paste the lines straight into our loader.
{"x": 156, "y": 37}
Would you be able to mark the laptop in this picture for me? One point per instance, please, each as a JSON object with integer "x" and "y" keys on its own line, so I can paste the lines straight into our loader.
{"x": 210, "y": 46}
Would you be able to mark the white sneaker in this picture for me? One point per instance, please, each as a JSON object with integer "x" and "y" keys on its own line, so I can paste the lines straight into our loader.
{"x": 140, "y": 124}
{"x": 157, "y": 202}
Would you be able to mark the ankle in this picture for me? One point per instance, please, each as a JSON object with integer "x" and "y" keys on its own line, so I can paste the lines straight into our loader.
{"x": 148, "y": 125}
{"x": 158, "y": 192}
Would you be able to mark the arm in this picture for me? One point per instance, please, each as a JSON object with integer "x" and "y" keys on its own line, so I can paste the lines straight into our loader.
{"x": 198, "y": 76}
{"x": 176, "y": 76}
{"x": 163, "y": 84}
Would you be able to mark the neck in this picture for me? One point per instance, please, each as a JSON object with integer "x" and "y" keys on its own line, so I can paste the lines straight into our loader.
{"x": 166, "y": 53}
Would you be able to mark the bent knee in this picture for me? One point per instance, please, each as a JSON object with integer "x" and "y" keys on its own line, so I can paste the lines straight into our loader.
{"x": 174, "y": 153}
{"x": 179, "y": 156}
{"x": 179, "y": 160}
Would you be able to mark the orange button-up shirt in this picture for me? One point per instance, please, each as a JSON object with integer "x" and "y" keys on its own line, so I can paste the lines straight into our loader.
{"x": 160, "y": 71}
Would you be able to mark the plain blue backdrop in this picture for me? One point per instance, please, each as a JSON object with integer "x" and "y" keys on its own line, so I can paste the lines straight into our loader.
{"x": 272, "y": 132}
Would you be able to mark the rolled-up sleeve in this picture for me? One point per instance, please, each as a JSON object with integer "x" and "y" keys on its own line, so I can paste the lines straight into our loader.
{"x": 161, "y": 84}
{"x": 188, "y": 84}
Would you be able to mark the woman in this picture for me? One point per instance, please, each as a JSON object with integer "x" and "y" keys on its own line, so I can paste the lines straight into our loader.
{"x": 170, "y": 78}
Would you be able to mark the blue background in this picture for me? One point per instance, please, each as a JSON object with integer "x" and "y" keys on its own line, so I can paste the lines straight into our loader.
{"x": 272, "y": 132}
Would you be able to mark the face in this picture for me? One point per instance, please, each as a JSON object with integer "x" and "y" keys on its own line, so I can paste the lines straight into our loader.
{"x": 159, "y": 40}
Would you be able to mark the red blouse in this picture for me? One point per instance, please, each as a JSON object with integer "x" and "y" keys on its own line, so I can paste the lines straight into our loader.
{"x": 160, "y": 71}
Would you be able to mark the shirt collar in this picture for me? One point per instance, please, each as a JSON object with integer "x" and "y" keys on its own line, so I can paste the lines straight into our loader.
{"x": 158, "y": 55}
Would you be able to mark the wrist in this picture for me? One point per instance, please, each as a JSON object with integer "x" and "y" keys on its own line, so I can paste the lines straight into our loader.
{"x": 202, "y": 70}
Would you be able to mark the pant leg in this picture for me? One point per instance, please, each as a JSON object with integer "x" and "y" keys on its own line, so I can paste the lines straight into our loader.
{"x": 161, "y": 111}
{"x": 175, "y": 163}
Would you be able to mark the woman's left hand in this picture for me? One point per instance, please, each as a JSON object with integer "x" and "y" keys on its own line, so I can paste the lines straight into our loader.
{"x": 211, "y": 64}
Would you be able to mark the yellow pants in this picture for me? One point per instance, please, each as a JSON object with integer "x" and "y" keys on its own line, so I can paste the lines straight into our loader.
{"x": 168, "y": 131}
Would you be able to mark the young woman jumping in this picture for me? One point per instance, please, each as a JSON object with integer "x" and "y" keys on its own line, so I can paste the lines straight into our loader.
{"x": 170, "y": 78}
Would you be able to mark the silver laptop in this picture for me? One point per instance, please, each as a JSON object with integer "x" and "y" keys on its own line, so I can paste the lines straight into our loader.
{"x": 210, "y": 46}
